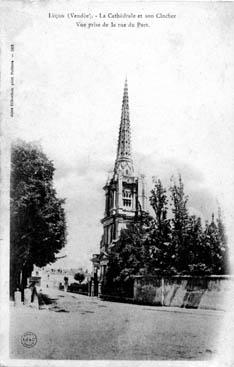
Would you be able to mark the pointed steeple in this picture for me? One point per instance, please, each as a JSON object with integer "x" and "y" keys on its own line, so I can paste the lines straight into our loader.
{"x": 212, "y": 220}
{"x": 124, "y": 162}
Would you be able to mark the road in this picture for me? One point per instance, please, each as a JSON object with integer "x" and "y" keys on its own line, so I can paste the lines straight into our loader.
{"x": 81, "y": 327}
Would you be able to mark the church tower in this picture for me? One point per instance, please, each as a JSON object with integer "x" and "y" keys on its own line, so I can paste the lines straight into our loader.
{"x": 125, "y": 196}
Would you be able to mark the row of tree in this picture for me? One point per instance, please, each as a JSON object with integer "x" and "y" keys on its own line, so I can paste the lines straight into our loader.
{"x": 169, "y": 242}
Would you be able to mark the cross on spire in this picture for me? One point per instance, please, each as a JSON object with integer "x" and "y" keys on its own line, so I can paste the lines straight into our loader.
{"x": 124, "y": 162}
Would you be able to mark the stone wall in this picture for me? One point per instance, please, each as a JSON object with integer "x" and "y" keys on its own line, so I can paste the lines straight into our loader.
{"x": 207, "y": 292}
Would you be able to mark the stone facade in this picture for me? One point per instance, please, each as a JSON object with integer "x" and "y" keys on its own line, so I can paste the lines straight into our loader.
{"x": 203, "y": 292}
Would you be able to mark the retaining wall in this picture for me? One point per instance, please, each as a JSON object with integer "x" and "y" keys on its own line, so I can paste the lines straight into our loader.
{"x": 207, "y": 292}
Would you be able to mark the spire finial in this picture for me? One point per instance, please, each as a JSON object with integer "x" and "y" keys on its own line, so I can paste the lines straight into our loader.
{"x": 126, "y": 83}
{"x": 124, "y": 163}
{"x": 125, "y": 94}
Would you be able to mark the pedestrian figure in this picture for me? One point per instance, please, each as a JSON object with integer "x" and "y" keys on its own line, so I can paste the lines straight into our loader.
{"x": 92, "y": 288}
{"x": 48, "y": 278}
{"x": 41, "y": 299}
{"x": 33, "y": 288}
{"x": 65, "y": 284}
{"x": 34, "y": 295}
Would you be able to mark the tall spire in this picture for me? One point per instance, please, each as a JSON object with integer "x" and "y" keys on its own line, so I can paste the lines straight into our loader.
{"x": 124, "y": 162}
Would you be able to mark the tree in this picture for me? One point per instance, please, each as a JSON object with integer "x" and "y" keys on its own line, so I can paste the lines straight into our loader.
{"x": 180, "y": 224}
{"x": 198, "y": 252}
{"x": 160, "y": 234}
{"x": 129, "y": 255}
{"x": 38, "y": 226}
{"x": 224, "y": 267}
{"x": 216, "y": 245}
{"x": 79, "y": 277}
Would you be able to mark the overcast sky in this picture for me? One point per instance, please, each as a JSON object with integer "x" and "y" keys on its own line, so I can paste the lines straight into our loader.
{"x": 68, "y": 94}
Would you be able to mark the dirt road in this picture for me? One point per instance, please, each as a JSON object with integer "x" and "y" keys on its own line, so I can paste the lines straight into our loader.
{"x": 80, "y": 327}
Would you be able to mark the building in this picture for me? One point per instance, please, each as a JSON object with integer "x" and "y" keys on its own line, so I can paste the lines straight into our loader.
{"x": 125, "y": 193}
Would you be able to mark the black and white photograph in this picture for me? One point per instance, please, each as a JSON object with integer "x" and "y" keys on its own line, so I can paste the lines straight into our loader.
{"x": 117, "y": 183}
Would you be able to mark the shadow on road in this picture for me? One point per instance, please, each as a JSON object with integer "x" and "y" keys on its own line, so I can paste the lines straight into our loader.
{"x": 44, "y": 299}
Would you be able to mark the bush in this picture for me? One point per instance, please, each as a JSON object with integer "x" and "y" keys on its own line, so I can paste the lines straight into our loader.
{"x": 80, "y": 277}
{"x": 78, "y": 288}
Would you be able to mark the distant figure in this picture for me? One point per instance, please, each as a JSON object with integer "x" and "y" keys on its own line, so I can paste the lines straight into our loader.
{"x": 34, "y": 295}
{"x": 48, "y": 278}
{"x": 33, "y": 288}
{"x": 65, "y": 284}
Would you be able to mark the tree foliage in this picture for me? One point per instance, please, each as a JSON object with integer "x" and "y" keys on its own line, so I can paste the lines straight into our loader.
{"x": 159, "y": 241}
{"x": 79, "y": 277}
{"x": 179, "y": 225}
{"x": 38, "y": 227}
{"x": 162, "y": 245}
{"x": 223, "y": 251}
{"x": 128, "y": 256}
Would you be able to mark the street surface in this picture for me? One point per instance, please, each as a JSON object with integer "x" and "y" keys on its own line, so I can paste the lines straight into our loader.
{"x": 81, "y": 327}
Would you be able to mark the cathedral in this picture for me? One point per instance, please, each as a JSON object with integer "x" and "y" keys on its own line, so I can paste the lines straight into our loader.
{"x": 125, "y": 193}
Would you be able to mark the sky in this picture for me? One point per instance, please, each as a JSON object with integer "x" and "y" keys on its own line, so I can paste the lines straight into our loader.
{"x": 68, "y": 92}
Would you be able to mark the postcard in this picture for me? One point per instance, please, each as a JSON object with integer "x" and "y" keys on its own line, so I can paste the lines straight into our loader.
{"x": 116, "y": 183}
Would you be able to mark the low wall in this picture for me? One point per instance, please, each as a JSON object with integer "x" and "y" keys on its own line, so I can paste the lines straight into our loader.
{"x": 207, "y": 292}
